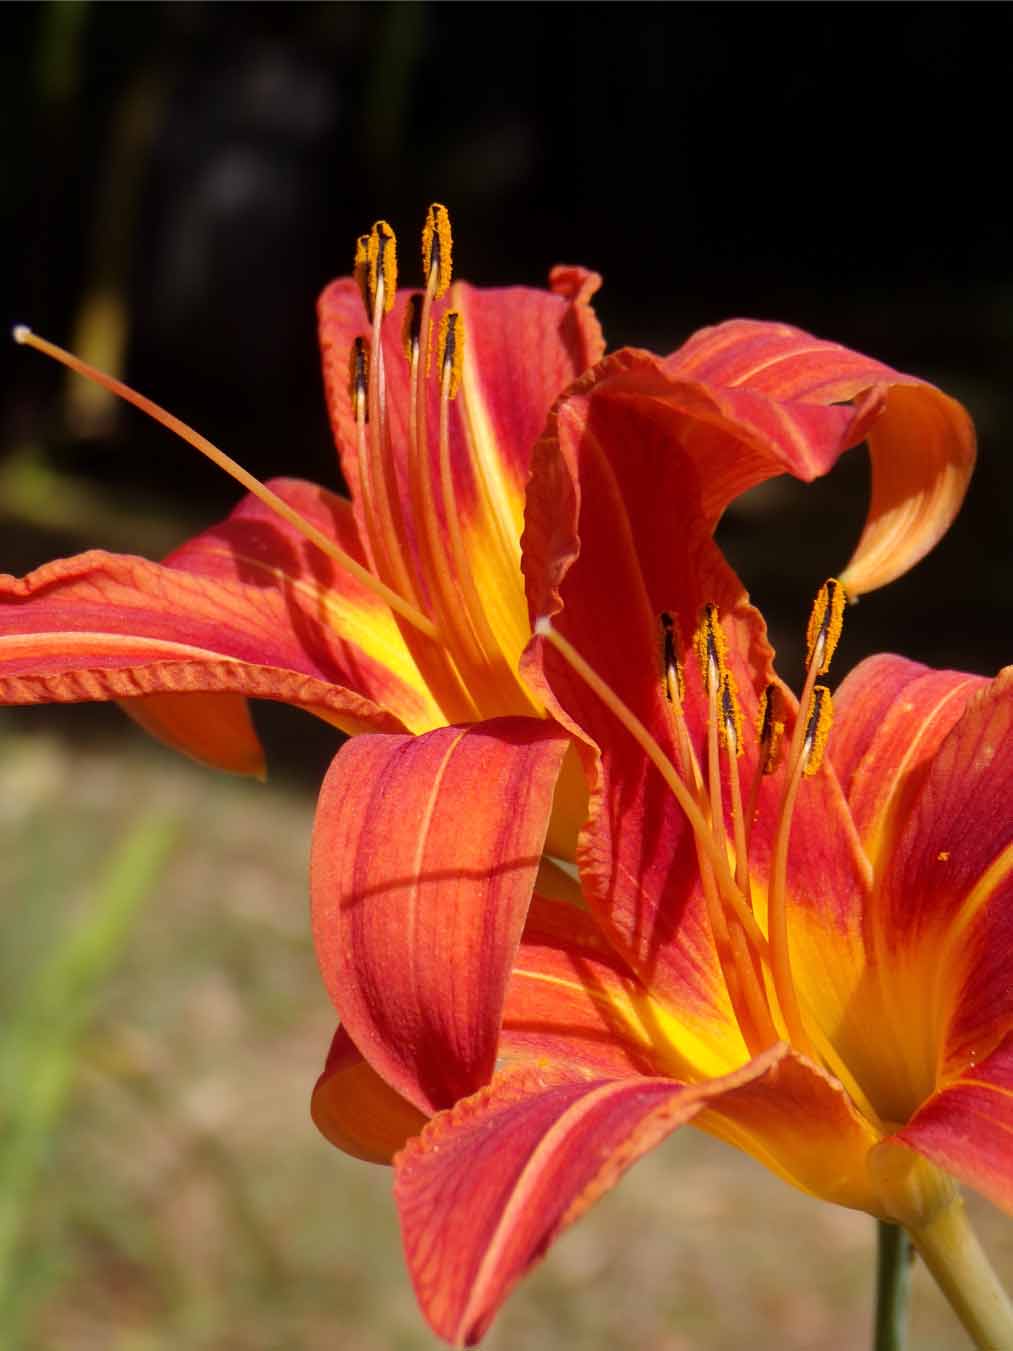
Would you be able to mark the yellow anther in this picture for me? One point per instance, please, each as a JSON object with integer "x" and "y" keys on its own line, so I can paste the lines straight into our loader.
{"x": 730, "y": 724}
{"x": 360, "y": 271}
{"x": 450, "y": 351}
{"x": 381, "y": 256}
{"x": 674, "y": 676}
{"x": 412, "y": 332}
{"x": 825, "y": 624}
{"x": 770, "y": 729}
{"x": 358, "y": 378}
{"x": 821, "y": 714}
{"x": 711, "y": 648}
{"x": 437, "y": 247}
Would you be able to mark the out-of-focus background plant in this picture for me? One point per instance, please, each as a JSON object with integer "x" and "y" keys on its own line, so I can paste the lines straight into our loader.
{"x": 180, "y": 180}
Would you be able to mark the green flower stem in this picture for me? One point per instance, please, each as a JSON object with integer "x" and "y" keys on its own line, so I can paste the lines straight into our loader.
{"x": 952, "y": 1253}
{"x": 893, "y": 1286}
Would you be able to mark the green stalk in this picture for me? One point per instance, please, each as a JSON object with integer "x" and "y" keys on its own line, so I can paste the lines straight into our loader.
{"x": 893, "y": 1286}
{"x": 950, "y": 1250}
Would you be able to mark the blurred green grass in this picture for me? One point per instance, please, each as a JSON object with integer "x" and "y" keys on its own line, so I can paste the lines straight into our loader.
{"x": 187, "y": 1202}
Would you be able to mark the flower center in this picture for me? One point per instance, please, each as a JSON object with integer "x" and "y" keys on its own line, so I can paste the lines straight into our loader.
{"x": 755, "y": 964}
{"x": 418, "y": 540}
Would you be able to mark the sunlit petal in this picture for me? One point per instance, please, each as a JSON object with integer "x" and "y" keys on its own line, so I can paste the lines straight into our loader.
{"x": 425, "y": 853}
{"x": 489, "y": 1185}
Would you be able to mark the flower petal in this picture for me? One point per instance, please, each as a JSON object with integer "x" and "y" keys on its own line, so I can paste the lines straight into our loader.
{"x": 921, "y": 441}
{"x": 967, "y": 1127}
{"x": 244, "y": 609}
{"x": 355, "y": 1110}
{"x": 325, "y": 614}
{"x": 890, "y": 715}
{"x": 943, "y": 922}
{"x": 488, "y": 1186}
{"x": 425, "y": 852}
{"x": 572, "y": 1001}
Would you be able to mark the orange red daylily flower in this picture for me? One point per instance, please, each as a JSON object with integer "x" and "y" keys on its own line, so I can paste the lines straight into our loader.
{"x": 809, "y": 963}
{"x": 519, "y": 1038}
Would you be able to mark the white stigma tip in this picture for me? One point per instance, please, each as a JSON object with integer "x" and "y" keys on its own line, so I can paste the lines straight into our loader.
{"x": 543, "y": 626}
{"x": 21, "y": 333}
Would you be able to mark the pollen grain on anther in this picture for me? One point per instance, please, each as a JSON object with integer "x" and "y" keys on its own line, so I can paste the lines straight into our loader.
{"x": 671, "y": 664}
{"x": 411, "y": 333}
{"x": 826, "y": 620}
{"x": 358, "y": 378}
{"x": 437, "y": 249}
{"x": 450, "y": 351}
{"x": 381, "y": 255}
{"x": 711, "y": 648}
{"x": 817, "y": 729}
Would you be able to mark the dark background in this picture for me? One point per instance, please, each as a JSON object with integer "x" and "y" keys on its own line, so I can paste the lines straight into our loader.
{"x": 182, "y": 179}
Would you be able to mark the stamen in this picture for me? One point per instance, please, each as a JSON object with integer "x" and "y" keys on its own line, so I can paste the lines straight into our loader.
{"x": 770, "y": 733}
{"x": 450, "y": 352}
{"x": 711, "y": 648}
{"x": 825, "y": 623}
{"x": 381, "y": 254}
{"x": 675, "y": 676}
{"x": 412, "y": 330}
{"x": 698, "y": 823}
{"x": 270, "y": 499}
{"x": 360, "y": 271}
{"x": 437, "y": 248}
{"x": 777, "y": 905}
{"x": 769, "y": 730}
{"x": 731, "y": 716}
{"x": 358, "y": 378}
{"x": 822, "y": 634}
{"x": 817, "y": 730}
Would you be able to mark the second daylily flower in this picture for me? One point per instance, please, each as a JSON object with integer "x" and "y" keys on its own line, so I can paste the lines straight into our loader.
{"x": 404, "y": 609}
{"x": 806, "y": 961}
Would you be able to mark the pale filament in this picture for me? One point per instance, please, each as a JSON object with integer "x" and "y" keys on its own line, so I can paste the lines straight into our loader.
{"x": 364, "y": 576}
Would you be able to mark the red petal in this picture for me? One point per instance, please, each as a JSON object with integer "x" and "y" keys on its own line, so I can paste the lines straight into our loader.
{"x": 921, "y": 441}
{"x": 356, "y": 1111}
{"x": 943, "y": 920}
{"x": 489, "y": 1185}
{"x": 425, "y": 852}
{"x": 967, "y": 1127}
{"x": 247, "y": 608}
{"x": 890, "y": 716}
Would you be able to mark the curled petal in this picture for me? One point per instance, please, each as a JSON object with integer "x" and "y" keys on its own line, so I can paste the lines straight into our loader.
{"x": 921, "y": 441}
{"x": 488, "y": 1186}
{"x": 356, "y": 1111}
{"x": 967, "y": 1127}
{"x": 425, "y": 852}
